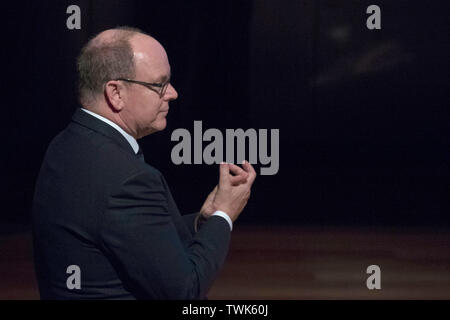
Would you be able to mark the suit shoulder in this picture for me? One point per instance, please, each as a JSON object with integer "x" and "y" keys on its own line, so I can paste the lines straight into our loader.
{"x": 123, "y": 162}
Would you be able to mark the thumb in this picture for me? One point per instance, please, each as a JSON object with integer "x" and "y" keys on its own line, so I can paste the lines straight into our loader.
{"x": 224, "y": 173}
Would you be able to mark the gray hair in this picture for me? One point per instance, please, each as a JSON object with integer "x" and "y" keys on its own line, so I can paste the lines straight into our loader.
{"x": 102, "y": 61}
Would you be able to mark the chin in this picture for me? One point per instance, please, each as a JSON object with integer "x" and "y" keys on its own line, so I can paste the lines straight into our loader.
{"x": 160, "y": 125}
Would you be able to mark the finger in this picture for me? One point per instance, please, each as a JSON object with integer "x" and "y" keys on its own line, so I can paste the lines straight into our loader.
{"x": 237, "y": 180}
{"x": 240, "y": 176}
{"x": 212, "y": 194}
{"x": 236, "y": 170}
{"x": 224, "y": 173}
{"x": 250, "y": 170}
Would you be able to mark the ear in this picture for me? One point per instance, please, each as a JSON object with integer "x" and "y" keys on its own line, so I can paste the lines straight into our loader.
{"x": 115, "y": 94}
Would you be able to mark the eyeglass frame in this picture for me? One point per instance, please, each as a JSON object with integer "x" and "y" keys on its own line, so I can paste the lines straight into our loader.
{"x": 162, "y": 85}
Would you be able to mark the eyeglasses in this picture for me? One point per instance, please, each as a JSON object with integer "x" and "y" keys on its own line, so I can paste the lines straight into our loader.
{"x": 160, "y": 88}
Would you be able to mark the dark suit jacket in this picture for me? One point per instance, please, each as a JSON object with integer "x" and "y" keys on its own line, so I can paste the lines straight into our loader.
{"x": 99, "y": 207}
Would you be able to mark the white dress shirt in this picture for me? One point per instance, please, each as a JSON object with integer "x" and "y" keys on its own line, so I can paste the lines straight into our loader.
{"x": 132, "y": 141}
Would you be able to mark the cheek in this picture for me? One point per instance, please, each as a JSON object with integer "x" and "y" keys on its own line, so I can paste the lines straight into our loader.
{"x": 152, "y": 110}
{"x": 147, "y": 105}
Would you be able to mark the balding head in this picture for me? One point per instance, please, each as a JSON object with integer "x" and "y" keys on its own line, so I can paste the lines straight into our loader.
{"x": 125, "y": 77}
{"x": 108, "y": 55}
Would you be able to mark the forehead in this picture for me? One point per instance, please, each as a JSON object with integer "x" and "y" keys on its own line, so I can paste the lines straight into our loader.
{"x": 150, "y": 57}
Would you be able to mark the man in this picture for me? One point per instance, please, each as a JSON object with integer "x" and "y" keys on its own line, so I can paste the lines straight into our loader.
{"x": 101, "y": 215}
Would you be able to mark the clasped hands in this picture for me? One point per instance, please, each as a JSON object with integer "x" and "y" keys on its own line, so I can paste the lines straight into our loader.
{"x": 232, "y": 192}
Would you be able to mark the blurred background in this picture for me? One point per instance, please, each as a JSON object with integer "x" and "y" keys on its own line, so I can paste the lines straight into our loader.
{"x": 362, "y": 114}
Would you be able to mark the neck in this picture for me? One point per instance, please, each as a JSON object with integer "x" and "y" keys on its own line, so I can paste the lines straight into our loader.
{"x": 112, "y": 116}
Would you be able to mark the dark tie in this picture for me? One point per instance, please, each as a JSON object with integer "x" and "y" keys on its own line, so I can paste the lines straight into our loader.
{"x": 140, "y": 155}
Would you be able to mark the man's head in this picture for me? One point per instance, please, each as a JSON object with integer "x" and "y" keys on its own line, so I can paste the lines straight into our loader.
{"x": 129, "y": 54}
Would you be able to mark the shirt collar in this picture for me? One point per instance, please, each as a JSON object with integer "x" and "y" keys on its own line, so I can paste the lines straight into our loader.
{"x": 131, "y": 140}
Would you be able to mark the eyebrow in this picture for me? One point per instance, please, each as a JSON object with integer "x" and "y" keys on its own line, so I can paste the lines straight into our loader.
{"x": 165, "y": 77}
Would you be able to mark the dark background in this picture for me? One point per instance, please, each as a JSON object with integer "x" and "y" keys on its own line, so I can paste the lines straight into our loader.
{"x": 362, "y": 113}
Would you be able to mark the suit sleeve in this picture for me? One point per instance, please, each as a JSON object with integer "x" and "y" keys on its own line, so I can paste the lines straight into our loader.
{"x": 141, "y": 241}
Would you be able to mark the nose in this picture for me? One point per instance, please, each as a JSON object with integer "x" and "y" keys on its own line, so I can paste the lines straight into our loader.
{"x": 171, "y": 93}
